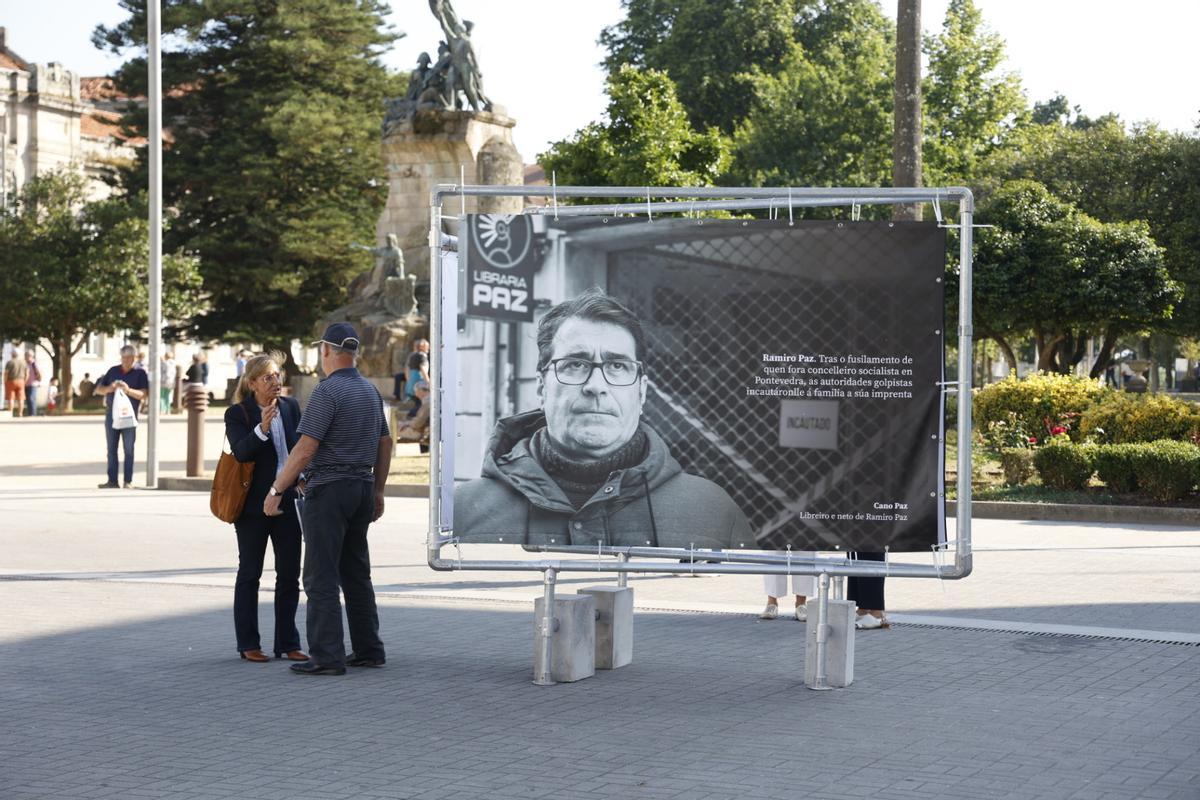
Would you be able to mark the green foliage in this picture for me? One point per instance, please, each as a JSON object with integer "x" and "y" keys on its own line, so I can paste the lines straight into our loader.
{"x": 70, "y": 268}
{"x": 712, "y": 52}
{"x": 1017, "y": 463}
{"x": 968, "y": 103}
{"x": 1115, "y": 467}
{"x": 1167, "y": 470}
{"x": 1117, "y": 174}
{"x": 647, "y": 140}
{"x": 274, "y": 165}
{"x": 825, "y": 119}
{"x": 1064, "y": 465}
{"x": 1126, "y": 417}
{"x": 1032, "y": 407}
{"x": 1052, "y": 270}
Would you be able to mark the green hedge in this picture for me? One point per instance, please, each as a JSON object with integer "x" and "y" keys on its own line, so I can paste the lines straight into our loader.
{"x": 1007, "y": 413}
{"x": 1167, "y": 470}
{"x": 1063, "y": 465}
{"x": 1017, "y": 463}
{"x": 1123, "y": 418}
{"x": 1114, "y": 466}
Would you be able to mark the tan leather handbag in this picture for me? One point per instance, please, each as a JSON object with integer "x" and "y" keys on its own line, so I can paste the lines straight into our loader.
{"x": 231, "y": 484}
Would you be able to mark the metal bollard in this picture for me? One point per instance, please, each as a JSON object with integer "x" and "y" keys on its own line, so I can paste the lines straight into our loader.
{"x": 542, "y": 674}
{"x": 821, "y": 683}
{"x": 196, "y": 400}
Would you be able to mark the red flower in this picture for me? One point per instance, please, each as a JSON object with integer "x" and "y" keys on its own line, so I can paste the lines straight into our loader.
{"x": 1033, "y": 440}
{"x": 1057, "y": 429}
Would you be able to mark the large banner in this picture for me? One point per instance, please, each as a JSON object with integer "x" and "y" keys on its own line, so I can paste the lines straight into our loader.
{"x": 702, "y": 383}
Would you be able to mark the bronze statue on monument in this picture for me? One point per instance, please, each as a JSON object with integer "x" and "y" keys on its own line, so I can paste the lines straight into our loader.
{"x": 442, "y": 130}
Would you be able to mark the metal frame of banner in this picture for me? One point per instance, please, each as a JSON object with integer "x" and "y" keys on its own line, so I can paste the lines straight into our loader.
{"x": 681, "y": 560}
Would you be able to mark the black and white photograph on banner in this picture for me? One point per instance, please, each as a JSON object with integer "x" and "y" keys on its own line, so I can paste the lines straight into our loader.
{"x": 698, "y": 383}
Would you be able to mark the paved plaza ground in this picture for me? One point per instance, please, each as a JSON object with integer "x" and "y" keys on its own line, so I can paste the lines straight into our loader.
{"x": 1066, "y": 666}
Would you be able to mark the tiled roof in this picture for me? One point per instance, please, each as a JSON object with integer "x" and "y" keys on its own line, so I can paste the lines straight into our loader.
{"x": 100, "y": 88}
{"x": 106, "y": 125}
{"x": 7, "y": 62}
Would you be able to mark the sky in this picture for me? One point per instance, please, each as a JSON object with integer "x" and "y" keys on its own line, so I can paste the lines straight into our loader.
{"x": 540, "y": 59}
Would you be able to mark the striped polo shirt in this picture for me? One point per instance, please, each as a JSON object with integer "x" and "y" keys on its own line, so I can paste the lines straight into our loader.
{"x": 345, "y": 414}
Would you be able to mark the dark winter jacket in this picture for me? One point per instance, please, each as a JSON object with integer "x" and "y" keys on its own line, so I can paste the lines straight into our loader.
{"x": 654, "y": 503}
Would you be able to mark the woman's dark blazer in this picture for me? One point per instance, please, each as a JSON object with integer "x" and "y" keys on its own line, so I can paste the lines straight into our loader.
{"x": 246, "y": 446}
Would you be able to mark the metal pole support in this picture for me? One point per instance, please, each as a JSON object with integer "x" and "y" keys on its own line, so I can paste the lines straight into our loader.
{"x": 541, "y": 667}
{"x": 821, "y": 681}
{"x": 839, "y": 588}
{"x": 622, "y": 577}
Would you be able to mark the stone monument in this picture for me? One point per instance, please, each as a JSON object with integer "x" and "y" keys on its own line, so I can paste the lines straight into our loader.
{"x": 444, "y": 130}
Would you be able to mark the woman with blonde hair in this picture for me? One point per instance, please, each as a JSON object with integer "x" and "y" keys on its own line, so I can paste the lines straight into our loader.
{"x": 261, "y": 426}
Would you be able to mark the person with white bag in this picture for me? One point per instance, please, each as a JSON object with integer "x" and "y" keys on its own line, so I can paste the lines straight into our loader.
{"x": 124, "y": 387}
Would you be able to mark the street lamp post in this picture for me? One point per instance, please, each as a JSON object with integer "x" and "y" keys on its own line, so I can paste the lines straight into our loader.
{"x": 3, "y": 156}
{"x": 154, "y": 53}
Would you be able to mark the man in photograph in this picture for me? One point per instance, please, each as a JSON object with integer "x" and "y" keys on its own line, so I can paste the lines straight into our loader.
{"x": 585, "y": 469}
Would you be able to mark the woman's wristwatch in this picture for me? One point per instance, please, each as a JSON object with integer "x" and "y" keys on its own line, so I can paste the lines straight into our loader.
{"x": 273, "y": 492}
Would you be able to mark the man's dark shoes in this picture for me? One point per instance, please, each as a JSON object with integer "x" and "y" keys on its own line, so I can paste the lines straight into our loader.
{"x": 109, "y": 486}
{"x": 313, "y": 668}
{"x": 364, "y": 661}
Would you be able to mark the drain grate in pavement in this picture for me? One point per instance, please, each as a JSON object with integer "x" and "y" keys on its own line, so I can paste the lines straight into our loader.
{"x": 1131, "y": 637}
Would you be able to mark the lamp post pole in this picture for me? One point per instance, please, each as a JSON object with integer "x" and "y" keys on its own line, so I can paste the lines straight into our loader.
{"x": 3, "y": 156}
{"x": 154, "y": 53}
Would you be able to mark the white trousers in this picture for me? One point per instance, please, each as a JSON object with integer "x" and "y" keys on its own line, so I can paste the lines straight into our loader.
{"x": 804, "y": 585}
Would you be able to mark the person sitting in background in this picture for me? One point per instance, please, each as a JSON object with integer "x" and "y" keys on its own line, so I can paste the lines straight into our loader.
{"x": 417, "y": 428}
{"x": 52, "y": 397}
{"x": 86, "y": 387}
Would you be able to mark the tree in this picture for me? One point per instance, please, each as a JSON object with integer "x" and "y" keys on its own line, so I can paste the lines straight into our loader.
{"x": 825, "y": 119}
{"x": 968, "y": 102}
{"x": 906, "y": 134}
{"x": 273, "y": 161}
{"x": 646, "y": 141}
{"x": 70, "y": 268}
{"x": 1049, "y": 269}
{"x": 712, "y": 51}
{"x": 1119, "y": 174}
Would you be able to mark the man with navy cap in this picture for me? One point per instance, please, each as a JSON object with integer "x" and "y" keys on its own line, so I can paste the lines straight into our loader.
{"x": 345, "y": 450}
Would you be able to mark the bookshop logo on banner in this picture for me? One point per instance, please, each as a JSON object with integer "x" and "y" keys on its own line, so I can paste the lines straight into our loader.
{"x": 501, "y": 260}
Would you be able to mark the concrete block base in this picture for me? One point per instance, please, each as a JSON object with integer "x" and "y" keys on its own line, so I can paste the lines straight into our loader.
{"x": 614, "y": 625}
{"x": 573, "y": 642}
{"x": 839, "y": 644}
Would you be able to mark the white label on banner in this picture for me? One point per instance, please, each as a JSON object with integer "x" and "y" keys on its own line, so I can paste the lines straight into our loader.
{"x": 812, "y": 424}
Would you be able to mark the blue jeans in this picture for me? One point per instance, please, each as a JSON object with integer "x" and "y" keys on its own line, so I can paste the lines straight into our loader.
{"x": 30, "y": 400}
{"x": 127, "y": 437}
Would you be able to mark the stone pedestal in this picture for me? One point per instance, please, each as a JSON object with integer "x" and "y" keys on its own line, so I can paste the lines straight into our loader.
{"x": 573, "y": 643}
{"x": 614, "y": 625}
{"x": 436, "y": 147}
{"x": 839, "y": 644}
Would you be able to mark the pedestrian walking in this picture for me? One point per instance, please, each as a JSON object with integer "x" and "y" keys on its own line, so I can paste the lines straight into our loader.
{"x": 345, "y": 451}
{"x": 32, "y": 383}
{"x": 16, "y": 371}
{"x": 134, "y": 384}
{"x": 166, "y": 381}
